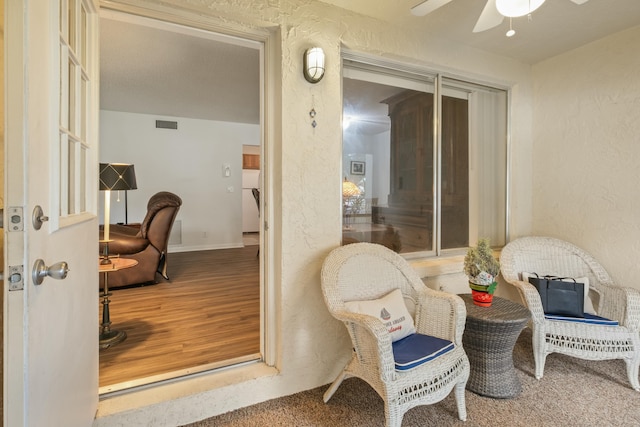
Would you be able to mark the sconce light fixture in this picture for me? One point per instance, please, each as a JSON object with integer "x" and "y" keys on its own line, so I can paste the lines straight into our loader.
{"x": 313, "y": 64}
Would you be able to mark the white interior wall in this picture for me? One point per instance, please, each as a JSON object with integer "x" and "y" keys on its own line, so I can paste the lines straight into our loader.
{"x": 374, "y": 151}
{"x": 251, "y": 149}
{"x": 189, "y": 162}
{"x": 587, "y": 151}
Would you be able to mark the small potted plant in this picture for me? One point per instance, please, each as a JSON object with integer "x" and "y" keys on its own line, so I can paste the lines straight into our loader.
{"x": 482, "y": 268}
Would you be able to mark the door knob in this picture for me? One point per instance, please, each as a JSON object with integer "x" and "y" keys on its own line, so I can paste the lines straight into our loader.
{"x": 57, "y": 271}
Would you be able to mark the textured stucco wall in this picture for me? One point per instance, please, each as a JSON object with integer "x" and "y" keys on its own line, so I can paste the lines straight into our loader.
{"x": 305, "y": 176}
{"x": 587, "y": 151}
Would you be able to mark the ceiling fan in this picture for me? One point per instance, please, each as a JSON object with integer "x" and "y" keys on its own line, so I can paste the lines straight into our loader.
{"x": 490, "y": 16}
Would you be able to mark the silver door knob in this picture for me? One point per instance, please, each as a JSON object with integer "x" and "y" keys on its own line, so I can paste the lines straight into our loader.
{"x": 57, "y": 271}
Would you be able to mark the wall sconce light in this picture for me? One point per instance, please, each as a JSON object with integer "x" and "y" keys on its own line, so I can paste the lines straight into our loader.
{"x": 313, "y": 64}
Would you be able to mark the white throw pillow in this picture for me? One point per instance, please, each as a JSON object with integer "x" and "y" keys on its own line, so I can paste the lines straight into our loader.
{"x": 588, "y": 305}
{"x": 391, "y": 311}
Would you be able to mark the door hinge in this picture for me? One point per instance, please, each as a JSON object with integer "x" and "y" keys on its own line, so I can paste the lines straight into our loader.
{"x": 16, "y": 277}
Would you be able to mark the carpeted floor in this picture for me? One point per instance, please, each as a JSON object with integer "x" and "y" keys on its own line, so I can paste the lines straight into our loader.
{"x": 573, "y": 392}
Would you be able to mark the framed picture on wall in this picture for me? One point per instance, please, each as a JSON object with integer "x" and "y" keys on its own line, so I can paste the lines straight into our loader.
{"x": 357, "y": 168}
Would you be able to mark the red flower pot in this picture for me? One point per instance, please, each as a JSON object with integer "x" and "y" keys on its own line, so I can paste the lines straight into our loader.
{"x": 482, "y": 299}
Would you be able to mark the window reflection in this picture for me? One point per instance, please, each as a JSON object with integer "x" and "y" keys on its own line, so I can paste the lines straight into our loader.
{"x": 409, "y": 186}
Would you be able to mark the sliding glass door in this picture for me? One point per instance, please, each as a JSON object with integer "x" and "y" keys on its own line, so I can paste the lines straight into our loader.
{"x": 424, "y": 159}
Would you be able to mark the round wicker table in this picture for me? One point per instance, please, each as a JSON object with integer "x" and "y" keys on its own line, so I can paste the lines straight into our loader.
{"x": 489, "y": 336}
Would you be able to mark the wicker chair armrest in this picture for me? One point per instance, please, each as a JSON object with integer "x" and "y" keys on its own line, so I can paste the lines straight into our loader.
{"x": 371, "y": 341}
{"x": 632, "y": 309}
{"x": 531, "y": 298}
{"x": 621, "y": 304}
{"x": 440, "y": 314}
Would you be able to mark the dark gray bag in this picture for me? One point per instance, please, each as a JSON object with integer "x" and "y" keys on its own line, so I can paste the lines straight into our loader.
{"x": 560, "y": 295}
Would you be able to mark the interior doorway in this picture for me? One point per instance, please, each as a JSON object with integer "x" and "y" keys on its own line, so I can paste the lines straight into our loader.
{"x": 209, "y": 125}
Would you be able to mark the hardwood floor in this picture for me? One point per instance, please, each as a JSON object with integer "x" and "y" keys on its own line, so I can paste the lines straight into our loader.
{"x": 206, "y": 316}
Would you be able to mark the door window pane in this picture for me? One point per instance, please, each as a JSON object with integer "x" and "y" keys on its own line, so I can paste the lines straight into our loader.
{"x": 73, "y": 148}
{"x": 71, "y": 103}
{"x": 75, "y": 101}
{"x": 72, "y": 24}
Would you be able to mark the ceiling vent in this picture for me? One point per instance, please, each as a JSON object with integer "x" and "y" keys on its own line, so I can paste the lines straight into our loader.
{"x": 165, "y": 124}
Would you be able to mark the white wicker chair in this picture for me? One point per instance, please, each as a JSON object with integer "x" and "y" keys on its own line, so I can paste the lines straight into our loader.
{"x": 546, "y": 255}
{"x": 364, "y": 271}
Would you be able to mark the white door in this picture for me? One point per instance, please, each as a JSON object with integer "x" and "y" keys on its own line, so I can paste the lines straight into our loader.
{"x": 51, "y": 329}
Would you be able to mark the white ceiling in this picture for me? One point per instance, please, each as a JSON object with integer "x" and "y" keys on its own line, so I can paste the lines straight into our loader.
{"x": 154, "y": 68}
{"x": 556, "y": 27}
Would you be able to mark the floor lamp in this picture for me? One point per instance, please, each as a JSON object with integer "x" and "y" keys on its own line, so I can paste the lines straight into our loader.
{"x": 114, "y": 176}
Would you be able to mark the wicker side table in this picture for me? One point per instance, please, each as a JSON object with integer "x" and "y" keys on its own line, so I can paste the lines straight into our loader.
{"x": 489, "y": 336}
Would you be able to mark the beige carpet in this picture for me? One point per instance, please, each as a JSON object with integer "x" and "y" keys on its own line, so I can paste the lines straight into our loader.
{"x": 573, "y": 392}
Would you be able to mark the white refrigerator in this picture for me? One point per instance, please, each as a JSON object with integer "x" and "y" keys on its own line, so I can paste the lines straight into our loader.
{"x": 250, "y": 214}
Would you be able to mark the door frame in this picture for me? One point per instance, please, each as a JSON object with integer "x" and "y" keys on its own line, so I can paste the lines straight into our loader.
{"x": 13, "y": 345}
{"x": 268, "y": 132}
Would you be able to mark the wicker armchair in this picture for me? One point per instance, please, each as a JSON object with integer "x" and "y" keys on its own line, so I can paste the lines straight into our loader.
{"x": 546, "y": 255}
{"x": 366, "y": 271}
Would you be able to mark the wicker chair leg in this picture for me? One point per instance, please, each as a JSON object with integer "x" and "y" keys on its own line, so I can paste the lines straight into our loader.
{"x": 393, "y": 416}
{"x": 460, "y": 400}
{"x": 539, "y": 355}
{"x": 632, "y": 372}
{"x": 334, "y": 386}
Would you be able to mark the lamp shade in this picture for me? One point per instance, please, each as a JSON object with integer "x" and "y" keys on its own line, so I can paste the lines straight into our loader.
{"x": 516, "y": 8}
{"x": 117, "y": 176}
{"x": 313, "y": 64}
{"x": 349, "y": 189}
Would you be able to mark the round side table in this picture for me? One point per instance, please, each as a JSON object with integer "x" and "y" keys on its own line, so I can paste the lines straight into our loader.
{"x": 489, "y": 336}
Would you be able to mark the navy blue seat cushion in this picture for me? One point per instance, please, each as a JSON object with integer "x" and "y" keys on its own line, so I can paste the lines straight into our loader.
{"x": 590, "y": 319}
{"x": 416, "y": 349}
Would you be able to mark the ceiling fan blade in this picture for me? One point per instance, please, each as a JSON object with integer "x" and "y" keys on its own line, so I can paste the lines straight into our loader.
{"x": 579, "y": 1}
{"x": 489, "y": 18}
{"x": 427, "y": 7}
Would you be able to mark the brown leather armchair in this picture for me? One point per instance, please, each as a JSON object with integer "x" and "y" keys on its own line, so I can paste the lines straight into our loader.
{"x": 147, "y": 245}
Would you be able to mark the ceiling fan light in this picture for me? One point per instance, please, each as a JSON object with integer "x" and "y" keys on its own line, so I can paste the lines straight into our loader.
{"x": 516, "y": 8}
{"x": 511, "y": 31}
